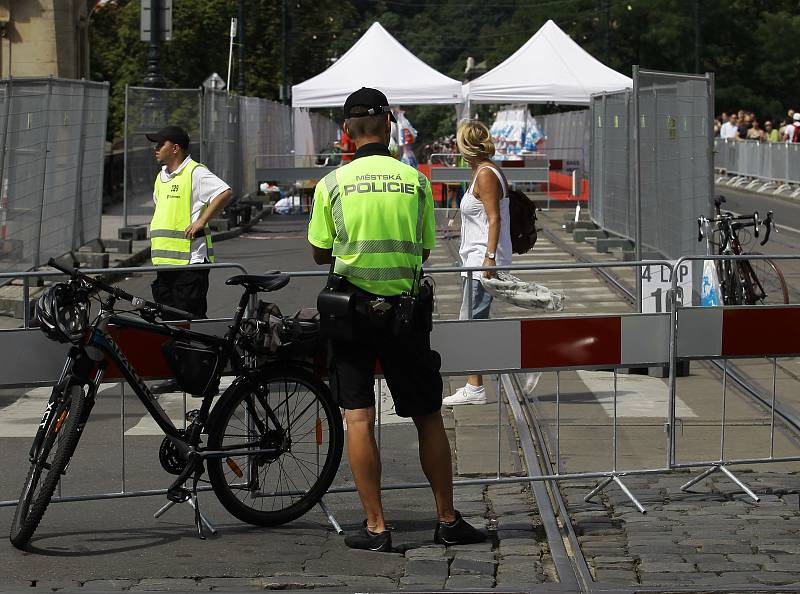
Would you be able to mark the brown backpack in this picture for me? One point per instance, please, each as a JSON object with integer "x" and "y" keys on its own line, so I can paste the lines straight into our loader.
{"x": 522, "y": 216}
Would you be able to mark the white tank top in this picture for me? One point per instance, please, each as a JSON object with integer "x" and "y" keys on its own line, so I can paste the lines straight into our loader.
{"x": 475, "y": 227}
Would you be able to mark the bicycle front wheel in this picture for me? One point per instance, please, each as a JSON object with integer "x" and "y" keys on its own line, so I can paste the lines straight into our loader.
{"x": 291, "y": 412}
{"x": 59, "y": 440}
{"x": 770, "y": 284}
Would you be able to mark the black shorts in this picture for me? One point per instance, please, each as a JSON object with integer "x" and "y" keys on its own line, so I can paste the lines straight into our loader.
{"x": 409, "y": 365}
{"x": 186, "y": 289}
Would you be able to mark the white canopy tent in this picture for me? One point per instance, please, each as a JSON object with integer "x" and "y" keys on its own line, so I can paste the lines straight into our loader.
{"x": 378, "y": 60}
{"x": 549, "y": 68}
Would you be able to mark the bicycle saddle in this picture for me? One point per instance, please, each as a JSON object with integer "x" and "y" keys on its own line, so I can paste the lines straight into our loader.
{"x": 270, "y": 281}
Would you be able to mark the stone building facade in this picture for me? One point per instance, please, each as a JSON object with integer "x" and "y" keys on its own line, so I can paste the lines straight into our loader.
{"x": 44, "y": 37}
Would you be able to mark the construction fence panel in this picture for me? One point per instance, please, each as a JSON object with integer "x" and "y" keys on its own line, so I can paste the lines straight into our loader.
{"x": 673, "y": 141}
{"x": 567, "y": 138}
{"x": 24, "y": 169}
{"x": 229, "y": 133}
{"x": 54, "y": 140}
{"x": 220, "y": 137}
{"x": 92, "y": 164}
{"x": 148, "y": 110}
{"x": 325, "y": 131}
{"x": 63, "y": 169}
{"x": 675, "y": 149}
{"x": 265, "y": 128}
{"x": 610, "y": 187}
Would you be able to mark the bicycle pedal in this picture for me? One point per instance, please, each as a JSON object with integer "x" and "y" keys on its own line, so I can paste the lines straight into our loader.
{"x": 179, "y": 495}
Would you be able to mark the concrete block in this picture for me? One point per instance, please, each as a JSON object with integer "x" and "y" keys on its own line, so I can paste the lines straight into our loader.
{"x": 134, "y": 233}
{"x": 120, "y": 246}
{"x": 219, "y": 224}
{"x": 605, "y": 243}
{"x": 631, "y": 256}
{"x": 662, "y": 371}
{"x": 570, "y": 216}
{"x": 92, "y": 259}
{"x": 570, "y": 226}
{"x": 583, "y": 234}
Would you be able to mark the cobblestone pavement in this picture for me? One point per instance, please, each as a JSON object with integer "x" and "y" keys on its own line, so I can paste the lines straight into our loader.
{"x": 712, "y": 537}
{"x": 116, "y": 545}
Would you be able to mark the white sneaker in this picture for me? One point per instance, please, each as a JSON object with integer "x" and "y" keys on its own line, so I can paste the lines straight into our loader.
{"x": 465, "y": 396}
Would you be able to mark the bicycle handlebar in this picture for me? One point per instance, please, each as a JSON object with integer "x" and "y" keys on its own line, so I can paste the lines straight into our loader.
{"x": 159, "y": 309}
{"x": 769, "y": 223}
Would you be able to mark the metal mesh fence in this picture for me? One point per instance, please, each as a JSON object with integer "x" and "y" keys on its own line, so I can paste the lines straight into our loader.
{"x": 147, "y": 110}
{"x": 610, "y": 187}
{"x": 567, "y": 138}
{"x": 220, "y": 137}
{"x": 674, "y": 168}
{"x": 229, "y": 133}
{"x": 675, "y": 159}
{"x": 325, "y": 131}
{"x": 52, "y": 167}
{"x": 266, "y": 129}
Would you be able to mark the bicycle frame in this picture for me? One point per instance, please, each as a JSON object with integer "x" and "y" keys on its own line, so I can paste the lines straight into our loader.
{"x": 101, "y": 348}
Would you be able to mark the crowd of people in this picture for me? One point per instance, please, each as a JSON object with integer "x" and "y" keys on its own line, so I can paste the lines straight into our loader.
{"x": 743, "y": 125}
{"x": 441, "y": 151}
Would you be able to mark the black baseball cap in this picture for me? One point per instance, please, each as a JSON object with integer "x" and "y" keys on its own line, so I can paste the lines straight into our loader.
{"x": 373, "y": 100}
{"x": 174, "y": 134}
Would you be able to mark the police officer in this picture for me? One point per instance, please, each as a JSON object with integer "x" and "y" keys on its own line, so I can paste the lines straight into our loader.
{"x": 187, "y": 195}
{"x": 373, "y": 220}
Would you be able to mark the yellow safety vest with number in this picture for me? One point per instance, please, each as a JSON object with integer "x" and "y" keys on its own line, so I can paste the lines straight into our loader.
{"x": 168, "y": 242}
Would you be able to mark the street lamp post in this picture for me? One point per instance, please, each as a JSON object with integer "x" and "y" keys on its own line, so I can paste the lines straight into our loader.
{"x": 152, "y": 111}
{"x": 153, "y": 77}
{"x": 240, "y": 86}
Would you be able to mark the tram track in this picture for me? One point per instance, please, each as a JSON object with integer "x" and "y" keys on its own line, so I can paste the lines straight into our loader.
{"x": 568, "y": 558}
{"x": 786, "y": 413}
{"x": 570, "y": 564}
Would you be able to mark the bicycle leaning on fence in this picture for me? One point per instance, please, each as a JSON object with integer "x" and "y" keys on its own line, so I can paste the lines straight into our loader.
{"x": 742, "y": 282}
{"x": 271, "y": 443}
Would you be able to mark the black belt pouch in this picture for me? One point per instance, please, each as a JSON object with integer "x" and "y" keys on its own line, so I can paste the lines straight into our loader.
{"x": 336, "y": 304}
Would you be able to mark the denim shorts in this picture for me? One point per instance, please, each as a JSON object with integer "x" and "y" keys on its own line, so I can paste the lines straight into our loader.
{"x": 481, "y": 301}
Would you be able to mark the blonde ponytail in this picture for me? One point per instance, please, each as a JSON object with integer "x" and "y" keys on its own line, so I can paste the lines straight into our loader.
{"x": 475, "y": 141}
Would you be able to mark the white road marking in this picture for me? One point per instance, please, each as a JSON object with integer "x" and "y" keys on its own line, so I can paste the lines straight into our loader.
{"x": 637, "y": 395}
{"x": 21, "y": 419}
{"x": 173, "y": 405}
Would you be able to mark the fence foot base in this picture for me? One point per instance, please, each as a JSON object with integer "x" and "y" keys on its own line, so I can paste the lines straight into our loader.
{"x": 623, "y": 487}
{"x": 726, "y": 472}
{"x": 331, "y": 518}
{"x": 167, "y": 506}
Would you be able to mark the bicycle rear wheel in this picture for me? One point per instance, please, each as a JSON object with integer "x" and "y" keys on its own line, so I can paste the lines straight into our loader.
{"x": 58, "y": 444}
{"x": 771, "y": 280}
{"x": 266, "y": 489}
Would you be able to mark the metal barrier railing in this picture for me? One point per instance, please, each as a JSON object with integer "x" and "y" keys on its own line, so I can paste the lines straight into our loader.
{"x": 760, "y": 166}
{"x": 455, "y": 362}
{"x": 574, "y": 342}
{"x": 714, "y": 333}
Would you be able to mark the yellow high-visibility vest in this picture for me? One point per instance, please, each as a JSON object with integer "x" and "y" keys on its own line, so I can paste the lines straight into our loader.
{"x": 376, "y": 214}
{"x": 168, "y": 243}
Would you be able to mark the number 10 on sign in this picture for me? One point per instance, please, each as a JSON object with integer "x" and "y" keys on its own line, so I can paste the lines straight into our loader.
{"x": 656, "y": 286}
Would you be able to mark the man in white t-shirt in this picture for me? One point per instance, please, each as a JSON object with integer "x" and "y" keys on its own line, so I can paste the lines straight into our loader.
{"x": 792, "y": 132}
{"x": 730, "y": 129}
{"x": 187, "y": 195}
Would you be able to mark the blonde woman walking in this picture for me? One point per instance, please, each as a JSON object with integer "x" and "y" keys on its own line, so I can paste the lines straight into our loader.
{"x": 485, "y": 235}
